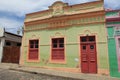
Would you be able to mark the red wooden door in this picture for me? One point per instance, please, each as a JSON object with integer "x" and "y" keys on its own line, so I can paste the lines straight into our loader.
{"x": 92, "y": 58}
{"x": 84, "y": 58}
{"x": 88, "y": 55}
{"x": 11, "y": 54}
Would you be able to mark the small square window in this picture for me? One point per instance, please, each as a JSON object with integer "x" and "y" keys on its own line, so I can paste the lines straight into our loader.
{"x": 61, "y": 45}
{"x": 61, "y": 40}
{"x": 54, "y": 41}
{"x": 91, "y": 38}
{"x": 91, "y": 46}
{"x": 58, "y": 43}
{"x": 36, "y": 46}
{"x": 8, "y": 43}
{"x": 31, "y": 42}
{"x": 54, "y": 45}
{"x": 84, "y": 47}
{"x": 31, "y": 46}
{"x": 34, "y": 43}
{"x": 18, "y": 44}
{"x": 83, "y": 39}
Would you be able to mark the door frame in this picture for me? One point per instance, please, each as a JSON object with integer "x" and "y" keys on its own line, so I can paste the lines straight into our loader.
{"x": 95, "y": 50}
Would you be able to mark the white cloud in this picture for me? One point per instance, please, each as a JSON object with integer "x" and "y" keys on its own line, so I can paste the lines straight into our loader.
{"x": 21, "y": 7}
{"x": 77, "y": 1}
{"x": 114, "y": 4}
{"x": 9, "y": 23}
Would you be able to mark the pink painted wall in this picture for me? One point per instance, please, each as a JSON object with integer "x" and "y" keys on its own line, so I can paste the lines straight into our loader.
{"x": 117, "y": 38}
{"x": 118, "y": 51}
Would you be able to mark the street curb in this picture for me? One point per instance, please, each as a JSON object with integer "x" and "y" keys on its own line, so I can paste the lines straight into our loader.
{"x": 56, "y": 73}
{"x": 23, "y": 71}
{"x": 33, "y": 72}
{"x": 81, "y": 76}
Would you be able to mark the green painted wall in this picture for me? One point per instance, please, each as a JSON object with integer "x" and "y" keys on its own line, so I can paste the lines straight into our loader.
{"x": 72, "y": 36}
{"x": 113, "y": 61}
{"x": 112, "y": 53}
{"x": 109, "y": 14}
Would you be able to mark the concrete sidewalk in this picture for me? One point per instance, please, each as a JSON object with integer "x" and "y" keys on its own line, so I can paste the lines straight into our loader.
{"x": 80, "y": 76}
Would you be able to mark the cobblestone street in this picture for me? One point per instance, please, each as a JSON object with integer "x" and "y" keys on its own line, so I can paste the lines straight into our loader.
{"x": 6, "y": 74}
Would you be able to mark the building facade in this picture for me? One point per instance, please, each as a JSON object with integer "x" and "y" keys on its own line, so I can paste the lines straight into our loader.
{"x": 67, "y": 37}
{"x": 113, "y": 27}
{"x": 9, "y": 46}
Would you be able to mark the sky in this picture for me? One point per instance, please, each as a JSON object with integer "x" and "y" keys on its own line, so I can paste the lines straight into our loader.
{"x": 12, "y": 13}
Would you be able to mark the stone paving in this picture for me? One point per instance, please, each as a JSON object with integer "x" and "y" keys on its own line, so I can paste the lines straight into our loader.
{"x": 6, "y": 74}
{"x": 55, "y": 74}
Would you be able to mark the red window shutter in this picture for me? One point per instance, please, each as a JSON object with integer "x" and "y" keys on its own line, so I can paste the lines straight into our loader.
{"x": 58, "y": 49}
{"x": 33, "y": 54}
{"x": 33, "y": 50}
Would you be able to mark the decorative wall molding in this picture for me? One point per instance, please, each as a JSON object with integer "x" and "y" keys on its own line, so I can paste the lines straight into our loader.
{"x": 65, "y": 21}
{"x": 59, "y": 8}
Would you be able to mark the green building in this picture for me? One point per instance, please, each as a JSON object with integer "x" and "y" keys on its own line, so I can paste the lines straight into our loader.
{"x": 113, "y": 28}
{"x": 67, "y": 37}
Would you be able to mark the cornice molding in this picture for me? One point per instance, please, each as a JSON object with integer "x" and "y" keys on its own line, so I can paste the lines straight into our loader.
{"x": 65, "y": 17}
{"x": 59, "y": 9}
{"x": 66, "y": 26}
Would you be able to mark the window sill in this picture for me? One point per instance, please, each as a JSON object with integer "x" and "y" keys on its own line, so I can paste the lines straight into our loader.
{"x": 28, "y": 60}
{"x": 57, "y": 61}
